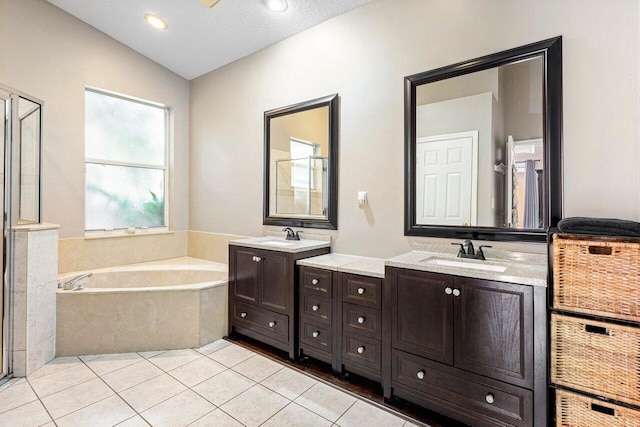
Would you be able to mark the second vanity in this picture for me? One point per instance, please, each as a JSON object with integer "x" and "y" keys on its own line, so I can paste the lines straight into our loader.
{"x": 464, "y": 338}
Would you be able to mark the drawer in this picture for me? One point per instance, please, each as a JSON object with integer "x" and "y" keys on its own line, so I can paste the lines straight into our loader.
{"x": 498, "y": 400}
{"x": 316, "y": 335}
{"x": 362, "y": 290}
{"x": 596, "y": 357}
{"x": 316, "y": 281}
{"x": 315, "y": 307}
{"x": 574, "y": 410}
{"x": 361, "y": 320}
{"x": 265, "y": 322}
{"x": 362, "y": 350}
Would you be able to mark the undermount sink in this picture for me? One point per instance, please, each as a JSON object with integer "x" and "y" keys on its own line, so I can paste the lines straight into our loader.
{"x": 466, "y": 264}
{"x": 276, "y": 243}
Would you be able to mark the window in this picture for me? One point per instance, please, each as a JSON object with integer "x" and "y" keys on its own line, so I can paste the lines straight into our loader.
{"x": 126, "y": 162}
{"x": 302, "y": 168}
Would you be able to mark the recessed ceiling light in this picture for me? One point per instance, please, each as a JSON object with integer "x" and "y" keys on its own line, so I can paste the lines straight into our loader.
{"x": 156, "y": 21}
{"x": 277, "y": 5}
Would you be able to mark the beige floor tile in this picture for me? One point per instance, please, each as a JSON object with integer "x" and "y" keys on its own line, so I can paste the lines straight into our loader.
{"x": 77, "y": 397}
{"x": 89, "y": 357}
{"x": 197, "y": 371}
{"x": 56, "y": 365}
{"x": 326, "y": 401}
{"x": 255, "y": 406}
{"x": 289, "y": 383}
{"x": 231, "y": 355}
{"x": 363, "y": 413}
{"x": 216, "y": 418}
{"x": 180, "y": 410}
{"x": 294, "y": 415}
{"x": 61, "y": 380}
{"x": 102, "y": 365}
{"x": 170, "y": 360}
{"x": 136, "y": 421}
{"x": 107, "y": 412}
{"x": 213, "y": 346}
{"x": 258, "y": 368}
{"x": 132, "y": 375}
{"x": 223, "y": 387}
{"x": 150, "y": 393}
{"x": 49, "y": 424}
{"x": 16, "y": 394}
{"x": 10, "y": 382}
{"x": 150, "y": 354}
{"x": 29, "y": 415}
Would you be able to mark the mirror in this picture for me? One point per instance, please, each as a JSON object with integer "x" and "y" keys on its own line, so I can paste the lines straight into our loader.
{"x": 301, "y": 161}
{"x": 483, "y": 146}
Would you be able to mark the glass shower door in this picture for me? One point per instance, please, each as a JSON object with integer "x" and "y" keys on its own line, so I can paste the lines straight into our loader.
{"x": 5, "y": 135}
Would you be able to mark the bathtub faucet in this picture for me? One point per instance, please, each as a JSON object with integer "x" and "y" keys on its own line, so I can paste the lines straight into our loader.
{"x": 70, "y": 284}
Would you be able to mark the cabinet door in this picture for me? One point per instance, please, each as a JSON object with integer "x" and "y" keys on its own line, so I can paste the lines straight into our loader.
{"x": 247, "y": 273}
{"x": 277, "y": 291}
{"x": 494, "y": 330}
{"x": 422, "y": 319}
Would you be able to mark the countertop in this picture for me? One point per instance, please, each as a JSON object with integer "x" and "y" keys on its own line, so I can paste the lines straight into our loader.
{"x": 364, "y": 266}
{"x": 275, "y": 243}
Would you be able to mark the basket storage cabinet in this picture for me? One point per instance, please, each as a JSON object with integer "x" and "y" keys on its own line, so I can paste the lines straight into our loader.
{"x": 595, "y": 331}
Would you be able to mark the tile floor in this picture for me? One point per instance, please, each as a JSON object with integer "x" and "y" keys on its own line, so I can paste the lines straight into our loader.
{"x": 221, "y": 384}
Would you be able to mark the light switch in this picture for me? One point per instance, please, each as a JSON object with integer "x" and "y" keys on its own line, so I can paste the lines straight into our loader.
{"x": 362, "y": 199}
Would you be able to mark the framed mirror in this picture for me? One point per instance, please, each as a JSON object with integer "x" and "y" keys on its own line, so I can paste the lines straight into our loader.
{"x": 483, "y": 149}
{"x": 301, "y": 163}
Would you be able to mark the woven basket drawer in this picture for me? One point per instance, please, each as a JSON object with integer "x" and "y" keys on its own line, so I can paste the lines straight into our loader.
{"x": 598, "y": 276}
{"x": 574, "y": 410}
{"x": 596, "y": 357}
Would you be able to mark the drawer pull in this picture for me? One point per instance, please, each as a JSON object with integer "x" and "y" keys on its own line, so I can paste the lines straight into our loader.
{"x": 448, "y": 290}
{"x": 602, "y": 409}
{"x": 257, "y": 258}
{"x": 243, "y": 314}
{"x": 316, "y": 307}
{"x": 272, "y": 324}
{"x": 456, "y": 292}
{"x": 597, "y": 329}
{"x": 360, "y": 291}
{"x": 420, "y": 374}
{"x": 361, "y": 349}
{"x": 315, "y": 281}
{"x": 316, "y": 334}
{"x": 490, "y": 398}
{"x": 361, "y": 319}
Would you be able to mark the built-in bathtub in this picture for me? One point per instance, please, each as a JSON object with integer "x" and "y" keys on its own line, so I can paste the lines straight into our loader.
{"x": 163, "y": 305}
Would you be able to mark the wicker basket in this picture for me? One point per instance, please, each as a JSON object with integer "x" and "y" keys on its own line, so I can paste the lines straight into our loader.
{"x": 574, "y": 410}
{"x": 596, "y": 275}
{"x": 596, "y": 357}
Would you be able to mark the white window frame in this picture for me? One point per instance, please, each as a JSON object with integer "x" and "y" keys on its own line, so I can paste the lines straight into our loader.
{"x": 168, "y": 113}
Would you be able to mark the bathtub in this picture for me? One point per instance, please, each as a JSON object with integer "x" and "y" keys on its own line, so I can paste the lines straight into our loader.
{"x": 163, "y": 305}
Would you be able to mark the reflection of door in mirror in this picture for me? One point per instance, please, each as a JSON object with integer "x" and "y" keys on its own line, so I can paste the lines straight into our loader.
{"x": 299, "y": 145}
{"x": 447, "y": 185}
{"x": 524, "y": 183}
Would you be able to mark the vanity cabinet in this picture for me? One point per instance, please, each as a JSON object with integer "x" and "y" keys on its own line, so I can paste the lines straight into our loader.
{"x": 466, "y": 347}
{"x": 263, "y": 296}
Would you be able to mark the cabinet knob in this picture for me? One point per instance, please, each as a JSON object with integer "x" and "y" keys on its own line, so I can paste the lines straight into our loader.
{"x": 257, "y": 259}
{"x": 456, "y": 292}
{"x": 448, "y": 290}
{"x": 420, "y": 374}
{"x": 243, "y": 314}
{"x": 316, "y": 334}
{"x": 360, "y": 291}
{"x": 314, "y": 281}
{"x": 489, "y": 398}
{"x": 316, "y": 307}
{"x": 272, "y": 324}
{"x": 361, "y": 349}
{"x": 361, "y": 319}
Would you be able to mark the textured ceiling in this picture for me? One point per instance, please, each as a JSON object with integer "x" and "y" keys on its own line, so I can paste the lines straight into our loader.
{"x": 200, "y": 39}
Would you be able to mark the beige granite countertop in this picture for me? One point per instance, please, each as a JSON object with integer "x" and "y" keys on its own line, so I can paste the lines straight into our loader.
{"x": 364, "y": 266}
{"x": 276, "y": 243}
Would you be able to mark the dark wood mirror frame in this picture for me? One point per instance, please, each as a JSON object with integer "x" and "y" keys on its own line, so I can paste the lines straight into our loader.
{"x": 331, "y": 221}
{"x": 551, "y": 52}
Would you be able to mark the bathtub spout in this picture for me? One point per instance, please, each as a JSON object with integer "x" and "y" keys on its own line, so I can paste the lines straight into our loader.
{"x": 69, "y": 284}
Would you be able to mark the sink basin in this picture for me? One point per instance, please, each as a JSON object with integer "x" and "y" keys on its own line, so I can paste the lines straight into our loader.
{"x": 464, "y": 264}
{"x": 276, "y": 243}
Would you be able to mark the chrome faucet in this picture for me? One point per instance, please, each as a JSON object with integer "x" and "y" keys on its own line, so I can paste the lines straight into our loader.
{"x": 70, "y": 284}
{"x": 292, "y": 235}
{"x": 467, "y": 250}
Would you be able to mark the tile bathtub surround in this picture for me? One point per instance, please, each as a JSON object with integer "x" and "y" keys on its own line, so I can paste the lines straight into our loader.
{"x": 211, "y": 246}
{"x": 220, "y": 384}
